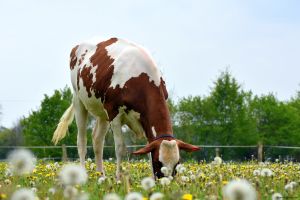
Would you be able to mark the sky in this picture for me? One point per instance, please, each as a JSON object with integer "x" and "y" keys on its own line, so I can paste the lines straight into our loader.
{"x": 191, "y": 41}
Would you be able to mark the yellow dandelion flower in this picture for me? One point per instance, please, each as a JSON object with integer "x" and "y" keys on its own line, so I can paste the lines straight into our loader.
{"x": 3, "y": 196}
{"x": 187, "y": 197}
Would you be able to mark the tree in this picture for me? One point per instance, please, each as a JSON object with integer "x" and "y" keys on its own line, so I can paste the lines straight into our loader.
{"x": 39, "y": 126}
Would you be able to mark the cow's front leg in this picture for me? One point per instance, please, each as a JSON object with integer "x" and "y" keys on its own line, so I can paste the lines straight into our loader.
{"x": 99, "y": 133}
{"x": 120, "y": 147}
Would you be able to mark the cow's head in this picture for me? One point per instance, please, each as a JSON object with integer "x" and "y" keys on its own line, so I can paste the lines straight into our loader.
{"x": 165, "y": 153}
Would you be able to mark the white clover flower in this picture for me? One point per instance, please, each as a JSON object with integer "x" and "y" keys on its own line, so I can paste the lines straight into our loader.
{"x": 157, "y": 196}
{"x": 23, "y": 194}
{"x": 256, "y": 172}
{"x": 239, "y": 189}
{"x": 148, "y": 183}
{"x": 70, "y": 192}
{"x": 165, "y": 181}
{"x": 266, "y": 172}
{"x": 277, "y": 196}
{"x": 101, "y": 180}
{"x": 21, "y": 161}
{"x": 72, "y": 174}
{"x": 52, "y": 191}
{"x": 111, "y": 196}
{"x": 217, "y": 160}
{"x": 165, "y": 171}
{"x": 185, "y": 179}
{"x": 134, "y": 196}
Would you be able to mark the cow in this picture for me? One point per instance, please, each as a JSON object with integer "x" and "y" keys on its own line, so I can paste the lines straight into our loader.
{"x": 118, "y": 82}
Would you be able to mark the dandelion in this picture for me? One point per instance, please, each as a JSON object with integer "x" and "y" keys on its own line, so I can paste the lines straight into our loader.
{"x": 187, "y": 197}
{"x": 277, "y": 196}
{"x": 89, "y": 160}
{"x": 294, "y": 184}
{"x": 52, "y": 191}
{"x": 92, "y": 166}
{"x": 185, "y": 179}
{"x": 266, "y": 172}
{"x": 148, "y": 183}
{"x": 165, "y": 181}
{"x": 165, "y": 171}
{"x": 217, "y": 160}
{"x": 82, "y": 196}
{"x": 21, "y": 161}
{"x": 289, "y": 187}
{"x": 157, "y": 196}
{"x": 7, "y": 182}
{"x": 170, "y": 178}
{"x": 192, "y": 177}
{"x": 70, "y": 192}
{"x": 34, "y": 189}
{"x": 256, "y": 172}
{"x": 111, "y": 196}
{"x": 23, "y": 194}
{"x": 180, "y": 169}
{"x": 73, "y": 175}
{"x": 134, "y": 196}
{"x": 101, "y": 180}
{"x": 239, "y": 189}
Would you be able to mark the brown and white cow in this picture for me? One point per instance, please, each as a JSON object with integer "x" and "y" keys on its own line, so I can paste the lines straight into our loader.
{"x": 119, "y": 83}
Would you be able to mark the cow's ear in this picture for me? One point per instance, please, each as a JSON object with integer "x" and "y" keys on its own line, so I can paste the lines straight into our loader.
{"x": 187, "y": 147}
{"x": 147, "y": 149}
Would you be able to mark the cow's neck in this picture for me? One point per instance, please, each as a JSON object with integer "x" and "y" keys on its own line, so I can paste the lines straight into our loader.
{"x": 156, "y": 121}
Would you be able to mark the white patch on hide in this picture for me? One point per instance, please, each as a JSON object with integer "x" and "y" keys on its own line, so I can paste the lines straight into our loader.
{"x": 169, "y": 153}
{"x": 153, "y": 131}
{"x": 131, "y": 60}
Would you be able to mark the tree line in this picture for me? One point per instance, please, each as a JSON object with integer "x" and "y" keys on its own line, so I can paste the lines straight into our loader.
{"x": 228, "y": 115}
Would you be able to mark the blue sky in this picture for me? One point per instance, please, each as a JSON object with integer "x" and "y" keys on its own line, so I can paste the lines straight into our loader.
{"x": 192, "y": 42}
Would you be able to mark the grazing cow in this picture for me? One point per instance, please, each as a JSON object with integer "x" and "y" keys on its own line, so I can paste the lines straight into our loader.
{"x": 119, "y": 83}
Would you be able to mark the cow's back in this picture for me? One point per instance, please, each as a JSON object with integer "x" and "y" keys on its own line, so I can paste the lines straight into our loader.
{"x": 101, "y": 70}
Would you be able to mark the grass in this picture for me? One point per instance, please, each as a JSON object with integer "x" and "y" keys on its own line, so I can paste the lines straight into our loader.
{"x": 205, "y": 180}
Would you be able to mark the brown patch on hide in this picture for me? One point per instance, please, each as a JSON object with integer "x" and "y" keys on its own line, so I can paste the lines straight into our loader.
{"x": 73, "y": 58}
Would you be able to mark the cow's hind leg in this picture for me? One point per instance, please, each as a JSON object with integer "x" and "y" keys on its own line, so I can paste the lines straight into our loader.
{"x": 119, "y": 143}
{"x": 81, "y": 121}
{"x": 99, "y": 133}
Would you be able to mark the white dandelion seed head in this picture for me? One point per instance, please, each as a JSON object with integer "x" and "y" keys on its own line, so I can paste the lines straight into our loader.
{"x": 8, "y": 172}
{"x": 266, "y": 172}
{"x": 111, "y": 196}
{"x": 170, "y": 178}
{"x": 157, "y": 196}
{"x": 192, "y": 177}
{"x": 56, "y": 164}
{"x": 82, "y": 196}
{"x": 21, "y": 161}
{"x": 178, "y": 167}
{"x": 218, "y": 160}
{"x": 185, "y": 179}
{"x": 277, "y": 196}
{"x": 101, "y": 180}
{"x": 256, "y": 172}
{"x": 72, "y": 174}
{"x": 181, "y": 169}
{"x": 23, "y": 194}
{"x": 70, "y": 192}
{"x": 134, "y": 196}
{"x": 239, "y": 189}
{"x": 48, "y": 166}
{"x": 294, "y": 184}
{"x": 52, "y": 191}
{"x": 289, "y": 187}
{"x": 92, "y": 166}
{"x": 7, "y": 182}
{"x": 148, "y": 183}
{"x": 165, "y": 171}
{"x": 34, "y": 189}
{"x": 165, "y": 181}
{"x": 89, "y": 160}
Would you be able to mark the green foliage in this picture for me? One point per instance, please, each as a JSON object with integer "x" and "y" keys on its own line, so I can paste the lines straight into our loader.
{"x": 38, "y": 128}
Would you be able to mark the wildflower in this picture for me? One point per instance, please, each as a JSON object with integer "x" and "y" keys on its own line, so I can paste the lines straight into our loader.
{"x": 7, "y": 181}
{"x": 184, "y": 179}
{"x": 3, "y": 196}
{"x": 92, "y": 166}
{"x": 111, "y": 196}
{"x": 52, "y": 191}
{"x": 187, "y": 197}
{"x": 48, "y": 166}
{"x": 180, "y": 168}
{"x": 148, "y": 183}
{"x": 101, "y": 180}
{"x": 156, "y": 196}
{"x": 70, "y": 192}
{"x": 8, "y": 172}
{"x": 165, "y": 181}
{"x": 289, "y": 187}
{"x": 82, "y": 196}
{"x": 217, "y": 160}
{"x": 34, "y": 189}
{"x": 134, "y": 196}
{"x": 239, "y": 189}
{"x": 165, "y": 171}
{"x": 256, "y": 172}
{"x": 266, "y": 172}
{"x": 23, "y": 194}
{"x": 294, "y": 184}
{"x": 110, "y": 159}
{"x": 192, "y": 177}
{"x": 21, "y": 161}
{"x": 73, "y": 175}
{"x": 89, "y": 160}
{"x": 277, "y": 196}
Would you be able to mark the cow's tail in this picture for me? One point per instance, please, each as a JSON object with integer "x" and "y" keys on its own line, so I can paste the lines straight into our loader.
{"x": 63, "y": 125}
